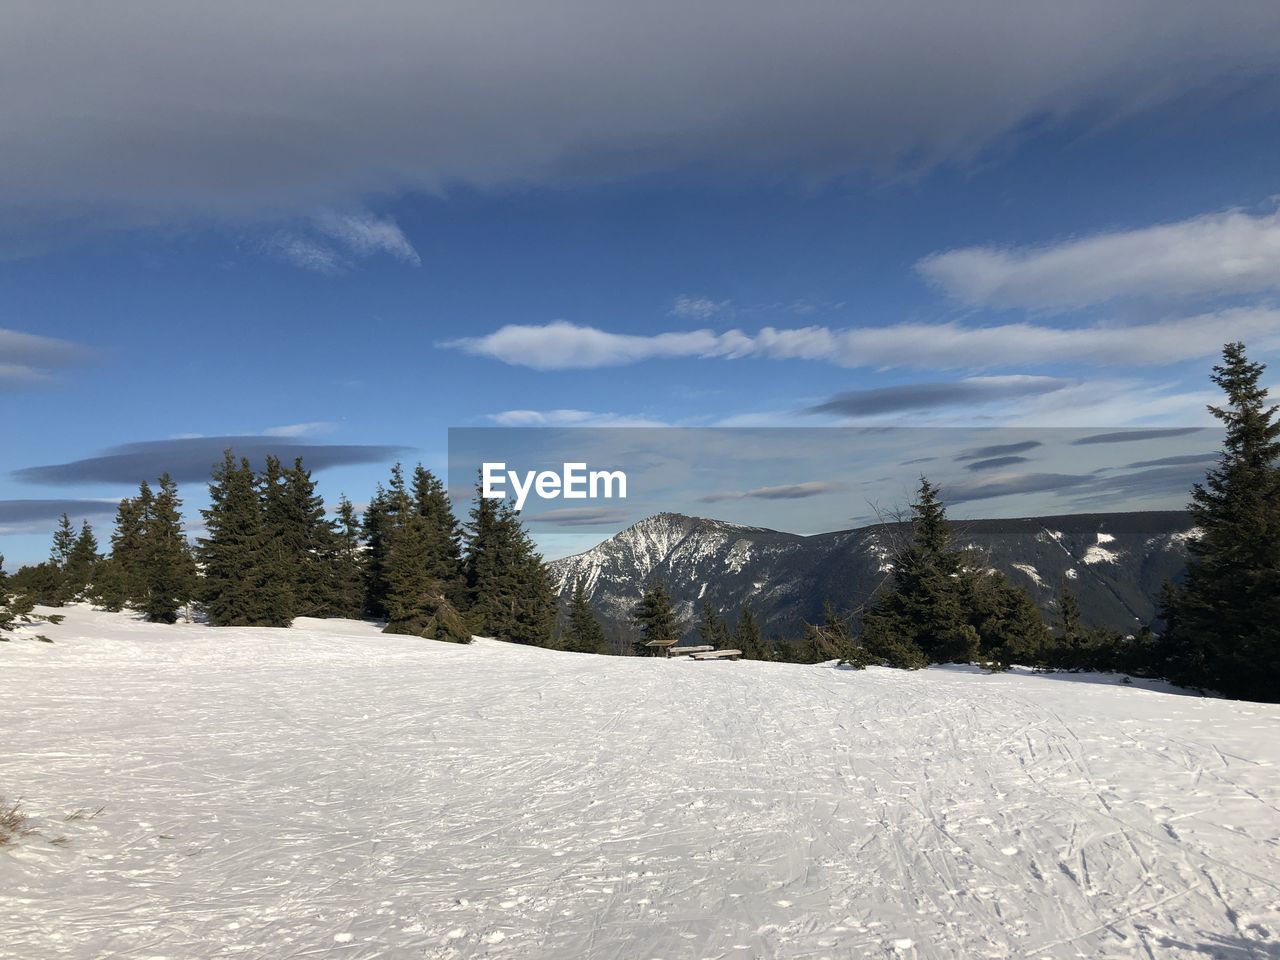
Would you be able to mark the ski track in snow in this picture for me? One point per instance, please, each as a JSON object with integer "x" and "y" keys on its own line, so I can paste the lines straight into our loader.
{"x": 326, "y": 791}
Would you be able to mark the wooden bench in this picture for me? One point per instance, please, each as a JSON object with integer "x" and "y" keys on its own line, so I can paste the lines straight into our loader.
{"x": 717, "y": 655}
{"x": 685, "y": 651}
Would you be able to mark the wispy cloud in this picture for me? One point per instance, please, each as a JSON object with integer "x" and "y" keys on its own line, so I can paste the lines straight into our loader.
{"x": 311, "y": 429}
{"x": 998, "y": 450}
{"x": 973, "y": 391}
{"x": 570, "y": 418}
{"x": 193, "y": 459}
{"x": 787, "y": 491}
{"x": 332, "y": 242}
{"x": 1220, "y": 253}
{"x": 578, "y": 517}
{"x": 561, "y": 345}
{"x": 995, "y": 463}
{"x": 30, "y": 359}
{"x": 37, "y": 516}
{"x": 699, "y": 308}
{"x": 1131, "y": 436}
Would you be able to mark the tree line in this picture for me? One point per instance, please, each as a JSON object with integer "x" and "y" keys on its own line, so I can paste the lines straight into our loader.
{"x": 270, "y": 553}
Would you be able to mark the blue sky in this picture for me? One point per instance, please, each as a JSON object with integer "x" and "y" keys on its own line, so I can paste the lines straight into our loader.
{"x": 618, "y": 222}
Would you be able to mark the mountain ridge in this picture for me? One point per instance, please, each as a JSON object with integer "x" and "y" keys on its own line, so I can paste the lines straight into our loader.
{"x": 1114, "y": 563}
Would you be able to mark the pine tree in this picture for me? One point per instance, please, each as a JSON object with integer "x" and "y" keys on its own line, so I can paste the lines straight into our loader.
{"x": 126, "y": 547}
{"x": 1224, "y": 626}
{"x": 12, "y": 609}
{"x": 656, "y": 620}
{"x": 80, "y": 564}
{"x": 379, "y": 518}
{"x": 242, "y": 586}
{"x": 110, "y": 587}
{"x": 415, "y": 598}
{"x": 431, "y": 501}
{"x": 746, "y": 636}
{"x": 507, "y": 586}
{"x": 167, "y": 568}
{"x": 583, "y": 633}
{"x": 64, "y": 541}
{"x": 295, "y": 519}
{"x": 833, "y": 640}
{"x": 347, "y": 563}
{"x": 712, "y": 630}
{"x": 942, "y": 606}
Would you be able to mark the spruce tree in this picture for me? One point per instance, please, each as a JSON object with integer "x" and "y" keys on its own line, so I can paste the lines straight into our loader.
{"x": 942, "y": 606}
{"x": 431, "y": 501}
{"x": 64, "y": 541}
{"x": 746, "y": 636}
{"x": 307, "y": 543}
{"x": 1224, "y": 630}
{"x": 583, "y": 633}
{"x": 80, "y": 565}
{"x": 415, "y": 599}
{"x": 347, "y": 563}
{"x": 15, "y": 609}
{"x": 241, "y": 585}
{"x": 712, "y": 630}
{"x": 167, "y": 568}
{"x": 508, "y": 590}
{"x": 656, "y": 620}
{"x": 379, "y": 518}
{"x": 833, "y": 640}
{"x": 126, "y": 546}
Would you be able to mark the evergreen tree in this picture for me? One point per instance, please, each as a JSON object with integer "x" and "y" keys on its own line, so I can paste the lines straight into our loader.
{"x": 746, "y": 636}
{"x": 379, "y": 518}
{"x": 295, "y": 520}
{"x": 78, "y": 568}
{"x": 1224, "y": 626}
{"x": 583, "y": 633}
{"x": 167, "y": 568}
{"x": 347, "y": 563}
{"x": 942, "y": 606}
{"x": 15, "y": 608}
{"x": 656, "y": 620}
{"x": 507, "y": 587}
{"x": 431, "y": 501}
{"x": 833, "y": 640}
{"x": 712, "y": 630}
{"x": 242, "y": 586}
{"x": 64, "y": 541}
{"x": 126, "y": 547}
{"x": 110, "y": 587}
{"x": 415, "y": 599}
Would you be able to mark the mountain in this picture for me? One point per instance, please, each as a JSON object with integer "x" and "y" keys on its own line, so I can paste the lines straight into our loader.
{"x": 1113, "y": 562}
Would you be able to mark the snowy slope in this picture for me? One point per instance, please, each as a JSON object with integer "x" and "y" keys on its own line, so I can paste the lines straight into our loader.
{"x": 327, "y": 791}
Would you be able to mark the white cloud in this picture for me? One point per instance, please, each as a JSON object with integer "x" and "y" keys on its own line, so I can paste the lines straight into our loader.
{"x": 241, "y": 111}
{"x": 333, "y": 242}
{"x": 699, "y": 308}
{"x": 301, "y": 429}
{"x": 366, "y": 235}
{"x": 569, "y": 418}
{"x": 305, "y": 253}
{"x": 1220, "y": 253}
{"x": 940, "y": 346}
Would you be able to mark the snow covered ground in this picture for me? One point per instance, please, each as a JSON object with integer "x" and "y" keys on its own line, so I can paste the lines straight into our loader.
{"x": 327, "y": 791}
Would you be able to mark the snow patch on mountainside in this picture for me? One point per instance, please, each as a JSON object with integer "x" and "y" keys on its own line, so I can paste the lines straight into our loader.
{"x": 1030, "y": 571}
